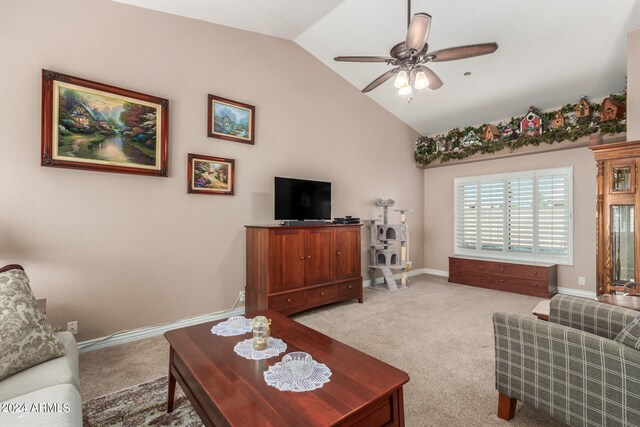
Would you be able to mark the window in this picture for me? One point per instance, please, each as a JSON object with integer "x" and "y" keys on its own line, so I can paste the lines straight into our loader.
{"x": 523, "y": 216}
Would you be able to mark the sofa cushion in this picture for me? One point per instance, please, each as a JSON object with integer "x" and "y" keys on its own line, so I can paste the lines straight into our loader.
{"x": 56, "y": 406}
{"x": 61, "y": 370}
{"x": 26, "y": 338}
{"x": 631, "y": 334}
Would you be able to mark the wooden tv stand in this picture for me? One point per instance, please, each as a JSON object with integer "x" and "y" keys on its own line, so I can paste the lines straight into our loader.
{"x": 535, "y": 279}
{"x": 291, "y": 269}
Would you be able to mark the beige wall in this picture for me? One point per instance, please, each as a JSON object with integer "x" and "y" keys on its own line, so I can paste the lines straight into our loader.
{"x": 633, "y": 85}
{"x": 440, "y": 217}
{"x": 116, "y": 251}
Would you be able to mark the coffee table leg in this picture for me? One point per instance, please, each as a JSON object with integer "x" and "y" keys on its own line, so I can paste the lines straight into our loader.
{"x": 172, "y": 384}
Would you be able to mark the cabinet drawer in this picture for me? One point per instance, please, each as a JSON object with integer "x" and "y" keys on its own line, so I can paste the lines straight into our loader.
{"x": 349, "y": 289}
{"x": 321, "y": 294}
{"x": 470, "y": 265}
{"x": 471, "y": 278}
{"x": 518, "y": 270}
{"x": 284, "y": 301}
{"x": 521, "y": 286}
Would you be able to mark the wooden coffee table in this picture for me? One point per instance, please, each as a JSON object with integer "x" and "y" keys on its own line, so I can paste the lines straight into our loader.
{"x": 226, "y": 389}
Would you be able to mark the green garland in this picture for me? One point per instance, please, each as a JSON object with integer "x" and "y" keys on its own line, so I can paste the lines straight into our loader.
{"x": 427, "y": 152}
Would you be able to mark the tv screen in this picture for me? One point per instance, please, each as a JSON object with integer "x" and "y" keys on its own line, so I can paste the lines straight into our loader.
{"x": 299, "y": 199}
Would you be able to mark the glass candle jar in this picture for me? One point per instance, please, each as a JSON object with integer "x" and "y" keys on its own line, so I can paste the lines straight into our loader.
{"x": 261, "y": 332}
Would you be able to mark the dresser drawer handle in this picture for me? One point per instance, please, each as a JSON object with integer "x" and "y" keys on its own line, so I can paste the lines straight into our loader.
{"x": 302, "y": 258}
{"x": 535, "y": 273}
{"x": 288, "y": 299}
{"x": 501, "y": 280}
{"x": 501, "y": 268}
{"x": 339, "y": 253}
{"x": 350, "y": 286}
{"x": 308, "y": 256}
{"x": 482, "y": 277}
{"x": 535, "y": 285}
{"x": 322, "y": 293}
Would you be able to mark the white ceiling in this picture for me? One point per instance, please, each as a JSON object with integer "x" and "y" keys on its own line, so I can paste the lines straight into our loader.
{"x": 551, "y": 52}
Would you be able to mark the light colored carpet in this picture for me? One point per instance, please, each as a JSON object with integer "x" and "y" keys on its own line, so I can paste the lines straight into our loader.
{"x": 439, "y": 333}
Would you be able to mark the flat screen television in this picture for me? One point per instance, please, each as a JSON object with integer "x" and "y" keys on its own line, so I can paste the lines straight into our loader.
{"x": 301, "y": 199}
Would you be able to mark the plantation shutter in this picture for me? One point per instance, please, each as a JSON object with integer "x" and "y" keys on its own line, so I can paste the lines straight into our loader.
{"x": 492, "y": 215}
{"x": 467, "y": 214}
{"x": 518, "y": 216}
{"x": 520, "y": 213}
{"x": 553, "y": 214}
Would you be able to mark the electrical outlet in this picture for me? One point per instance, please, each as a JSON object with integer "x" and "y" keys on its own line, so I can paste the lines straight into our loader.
{"x": 581, "y": 281}
{"x": 241, "y": 295}
{"x": 72, "y": 327}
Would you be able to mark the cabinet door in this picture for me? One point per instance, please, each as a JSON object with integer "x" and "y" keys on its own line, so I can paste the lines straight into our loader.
{"x": 319, "y": 247}
{"x": 347, "y": 252}
{"x": 286, "y": 259}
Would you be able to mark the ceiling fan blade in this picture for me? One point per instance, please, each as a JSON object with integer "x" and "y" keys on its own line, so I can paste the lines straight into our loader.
{"x": 383, "y": 78}
{"x": 362, "y": 59}
{"x": 434, "y": 80}
{"x": 418, "y": 31}
{"x": 462, "y": 52}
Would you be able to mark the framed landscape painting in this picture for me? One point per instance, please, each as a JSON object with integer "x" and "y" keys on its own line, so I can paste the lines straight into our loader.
{"x": 89, "y": 125}
{"x": 211, "y": 175}
{"x": 231, "y": 120}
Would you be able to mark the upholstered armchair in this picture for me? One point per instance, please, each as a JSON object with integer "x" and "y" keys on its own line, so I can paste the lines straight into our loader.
{"x": 572, "y": 367}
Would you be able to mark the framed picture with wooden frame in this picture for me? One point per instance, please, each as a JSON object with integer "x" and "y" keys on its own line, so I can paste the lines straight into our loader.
{"x": 211, "y": 175}
{"x": 231, "y": 120}
{"x": 95, "y": 126}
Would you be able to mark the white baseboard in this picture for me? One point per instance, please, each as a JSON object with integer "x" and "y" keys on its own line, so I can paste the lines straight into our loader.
{"x": 577, "y": 293}
{"x": 434, "y": 272}
{"x": 152, "y": 331}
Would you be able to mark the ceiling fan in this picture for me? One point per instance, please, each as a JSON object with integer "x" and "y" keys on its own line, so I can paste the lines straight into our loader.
{"x": 408, "y": 57}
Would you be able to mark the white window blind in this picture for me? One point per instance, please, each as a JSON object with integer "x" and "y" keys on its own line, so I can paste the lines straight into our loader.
{"x": 520, "y": 216}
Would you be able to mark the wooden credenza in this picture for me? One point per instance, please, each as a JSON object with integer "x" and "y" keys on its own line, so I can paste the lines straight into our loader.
{"x": 290, "y": 269}
{"x": 540, "y": 280}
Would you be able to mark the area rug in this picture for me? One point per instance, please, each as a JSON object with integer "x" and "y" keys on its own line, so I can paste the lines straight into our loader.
{"x": 141, "y": 405}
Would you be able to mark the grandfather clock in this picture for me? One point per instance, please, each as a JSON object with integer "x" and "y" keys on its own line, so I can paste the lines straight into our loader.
{"x": 617, "y": 216}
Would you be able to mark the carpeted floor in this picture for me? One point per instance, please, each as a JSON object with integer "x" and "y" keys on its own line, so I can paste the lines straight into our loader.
{"x": 439, "y": 333}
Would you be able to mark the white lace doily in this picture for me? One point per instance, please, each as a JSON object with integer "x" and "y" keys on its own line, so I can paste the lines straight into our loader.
{"x": 275, "y": 377}
{"x": 246, "y": 350}
{"x": 226, "y": 330}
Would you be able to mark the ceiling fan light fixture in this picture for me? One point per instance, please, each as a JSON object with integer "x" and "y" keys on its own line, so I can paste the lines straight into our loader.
{"x": 402, "y": 79}
{"x": 405, "y": 90}
{"x": 421, "y": 80}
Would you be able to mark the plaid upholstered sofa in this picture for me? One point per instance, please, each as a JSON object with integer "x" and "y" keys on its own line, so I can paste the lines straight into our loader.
{"x": 569, "y": 367}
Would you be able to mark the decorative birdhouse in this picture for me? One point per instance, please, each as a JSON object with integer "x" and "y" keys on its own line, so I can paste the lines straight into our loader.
{"x": 531, "y": 125}
{"x": 441, "y": 146}
{"x": 558, "y": 121}
{"x": 470, "y": 139}
{"x": 583, "y": 109}
{"x": 507, "y": 132}
{"x": 611, "y": 110}
{"x": 491, "y": 133}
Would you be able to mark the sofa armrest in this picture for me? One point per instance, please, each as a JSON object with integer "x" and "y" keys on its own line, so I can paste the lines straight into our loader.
{"x": 587, "y": 315}
{"x": 10, "y": 267}
{"x": 577, "y": 377}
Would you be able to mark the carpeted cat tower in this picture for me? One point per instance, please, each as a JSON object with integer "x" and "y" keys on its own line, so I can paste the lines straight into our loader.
{"x": 389, "y": 249}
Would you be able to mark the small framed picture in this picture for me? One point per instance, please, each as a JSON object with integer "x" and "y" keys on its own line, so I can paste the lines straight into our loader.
{"x": 211, "y": 175}
{"x": 231, "y": 120}
{"x": 94, "y": 126}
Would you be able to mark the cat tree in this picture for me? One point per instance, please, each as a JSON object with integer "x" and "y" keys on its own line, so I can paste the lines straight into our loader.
{"x": 389, "y": 248}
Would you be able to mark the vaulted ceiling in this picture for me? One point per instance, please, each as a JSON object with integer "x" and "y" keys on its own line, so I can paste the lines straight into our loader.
{"x": 550, "y": 52}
